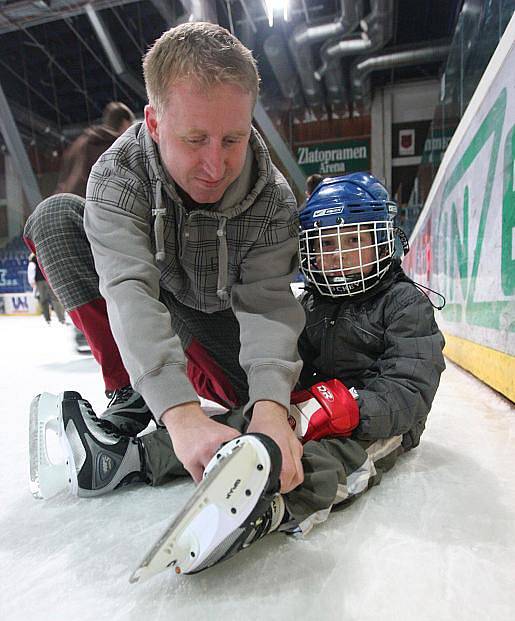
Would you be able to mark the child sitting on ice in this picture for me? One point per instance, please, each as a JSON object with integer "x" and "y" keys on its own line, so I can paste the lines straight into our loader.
{"x": 372, "y": 357}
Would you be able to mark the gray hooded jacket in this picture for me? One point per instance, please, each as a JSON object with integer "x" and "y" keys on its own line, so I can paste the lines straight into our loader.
{"x": 240, "y": 254}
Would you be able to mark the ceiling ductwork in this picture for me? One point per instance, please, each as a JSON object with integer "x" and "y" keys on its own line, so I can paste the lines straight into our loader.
{"x": 361, "y": 70}
{"x": 343, "y": 39}
{"x": 200, "y": 11}
{"x": 377, "y": 26}
{"x": 287, "y": 77}
{"x": 305, "y": 36}
{"x": 336, "y": 79}
{"x": 377, "y": 31}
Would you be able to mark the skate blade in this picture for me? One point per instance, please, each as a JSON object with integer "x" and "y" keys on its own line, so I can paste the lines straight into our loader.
{"x": 214, "y": 498}
{"x": 48, "y": 470}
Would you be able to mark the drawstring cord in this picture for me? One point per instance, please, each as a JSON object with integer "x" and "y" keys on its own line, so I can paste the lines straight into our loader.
{"x": 223, "y": 257}
{"x": 159, "y": 213}
{"x": 223, "y": 253}
{"x": 405, "y": 248}
{"x": 421, "y": 287}
{"x": 403, "y": 238}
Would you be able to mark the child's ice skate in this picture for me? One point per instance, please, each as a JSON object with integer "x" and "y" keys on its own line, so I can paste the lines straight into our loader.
{"x": 71, "y": 448}
{"x": 236, "y": 504}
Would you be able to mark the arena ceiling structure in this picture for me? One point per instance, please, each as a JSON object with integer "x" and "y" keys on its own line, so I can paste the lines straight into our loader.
{"x": 61, "y": 61}
{"x": 56, "y": 74}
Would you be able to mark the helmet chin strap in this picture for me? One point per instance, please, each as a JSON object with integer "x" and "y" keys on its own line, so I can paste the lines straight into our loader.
{"x": 351, "y": 284}
{"x": 404, "y": 239}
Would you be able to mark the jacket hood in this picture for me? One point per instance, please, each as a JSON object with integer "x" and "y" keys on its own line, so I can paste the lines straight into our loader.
{"x": 239, "y": 196}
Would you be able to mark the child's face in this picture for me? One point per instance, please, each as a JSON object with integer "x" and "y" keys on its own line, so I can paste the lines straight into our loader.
{"x": 339, "y": 251}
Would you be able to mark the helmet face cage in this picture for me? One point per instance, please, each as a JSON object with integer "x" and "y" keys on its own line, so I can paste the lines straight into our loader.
{"x": 346, "y": 259}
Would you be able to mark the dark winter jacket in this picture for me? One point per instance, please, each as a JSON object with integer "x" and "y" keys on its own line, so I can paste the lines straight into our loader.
{"x": 80, "y": 157}
{"x": 384, "y": 343}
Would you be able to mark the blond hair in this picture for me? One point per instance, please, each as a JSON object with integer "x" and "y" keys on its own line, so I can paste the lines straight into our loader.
{"x": 201, "y": 52}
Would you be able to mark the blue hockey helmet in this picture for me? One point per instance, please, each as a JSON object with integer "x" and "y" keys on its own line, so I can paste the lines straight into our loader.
{"x": 346, "y": 241}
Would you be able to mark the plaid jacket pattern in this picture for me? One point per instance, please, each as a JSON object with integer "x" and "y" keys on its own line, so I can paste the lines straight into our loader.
{"x": 248, "y": 246}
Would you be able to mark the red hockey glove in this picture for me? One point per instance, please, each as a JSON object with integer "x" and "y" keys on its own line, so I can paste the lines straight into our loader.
{"x": 326, "y": 409}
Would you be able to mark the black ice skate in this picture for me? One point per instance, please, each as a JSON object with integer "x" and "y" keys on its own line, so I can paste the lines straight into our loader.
{"x": 89, "y": 456}
{"x": 236, "y": 504}
{"x": 127, "y": 411}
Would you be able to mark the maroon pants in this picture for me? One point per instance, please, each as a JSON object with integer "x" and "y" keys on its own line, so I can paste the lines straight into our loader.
{"x": 55, "y": 233}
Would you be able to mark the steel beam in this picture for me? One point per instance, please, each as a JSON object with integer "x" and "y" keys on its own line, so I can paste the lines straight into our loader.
{"x": 111, "y": 51}
{"x": 17, "y": 151}
{"x": 279, "y": 146}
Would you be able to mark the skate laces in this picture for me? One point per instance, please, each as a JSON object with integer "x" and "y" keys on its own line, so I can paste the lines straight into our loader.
{"x": 262, "y": 524}
{"x": 106, "y": 426}
{"x": 119, "y": 396}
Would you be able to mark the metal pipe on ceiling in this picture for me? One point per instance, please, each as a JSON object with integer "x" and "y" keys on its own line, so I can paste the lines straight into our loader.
{"x": 305, "y": 36}
{"x": 360, "y": 72}
{"x": 377, "y": 29}
{"x": 201, "y": 11}
{"x": 287, "y": 77}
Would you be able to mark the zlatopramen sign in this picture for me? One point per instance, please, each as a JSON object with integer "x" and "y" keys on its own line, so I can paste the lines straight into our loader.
{"x": 335, "y": 158}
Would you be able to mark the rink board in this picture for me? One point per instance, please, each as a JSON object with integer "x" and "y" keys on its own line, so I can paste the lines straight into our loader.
{"x": 19, "y": 304}
{"x": 464, "y": 243}
{"x": 491, "y": 366}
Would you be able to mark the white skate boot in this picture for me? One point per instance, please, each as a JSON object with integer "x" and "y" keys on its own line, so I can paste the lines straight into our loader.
{"x": 236, "y": 504}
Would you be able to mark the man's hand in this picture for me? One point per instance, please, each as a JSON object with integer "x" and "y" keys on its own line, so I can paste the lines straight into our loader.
{"x": 271, "y": 419}
{"x": 195, "y": 437}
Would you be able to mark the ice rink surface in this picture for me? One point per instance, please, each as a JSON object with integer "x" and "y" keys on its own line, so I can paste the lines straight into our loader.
{"x": 435, "y": 541}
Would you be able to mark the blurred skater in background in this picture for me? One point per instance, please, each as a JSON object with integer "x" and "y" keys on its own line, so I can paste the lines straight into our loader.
{"x": 42, "y": 291}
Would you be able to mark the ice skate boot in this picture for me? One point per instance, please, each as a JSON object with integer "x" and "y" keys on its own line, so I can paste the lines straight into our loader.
{"x": 127, "y": 411}
{"x": 236, "y": 504}
{"x": 98, "y": 458}
{"x": 71, "y": 449}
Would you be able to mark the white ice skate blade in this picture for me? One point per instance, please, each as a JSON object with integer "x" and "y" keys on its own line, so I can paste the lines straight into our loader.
{"x": 219, "y": 505}
{"x": 48, "y": 469}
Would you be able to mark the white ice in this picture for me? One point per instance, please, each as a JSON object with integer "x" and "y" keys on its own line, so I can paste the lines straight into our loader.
{"x": 435, "y": 541}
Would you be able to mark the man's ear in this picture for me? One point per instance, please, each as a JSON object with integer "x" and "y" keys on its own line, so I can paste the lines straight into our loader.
{"x": 152, "y": 123}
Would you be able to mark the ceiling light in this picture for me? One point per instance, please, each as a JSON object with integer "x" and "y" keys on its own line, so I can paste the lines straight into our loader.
{"x": 277, "y": 6}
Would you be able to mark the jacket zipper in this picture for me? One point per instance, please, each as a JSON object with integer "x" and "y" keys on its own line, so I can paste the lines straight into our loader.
{"x": 328, "y": 342}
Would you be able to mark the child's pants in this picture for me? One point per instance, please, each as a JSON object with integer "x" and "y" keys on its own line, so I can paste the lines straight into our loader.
{"x": 336, "y": 470}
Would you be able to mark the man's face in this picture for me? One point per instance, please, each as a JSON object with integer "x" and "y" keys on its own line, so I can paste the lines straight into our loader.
{"x": 203, "y": 137}
{"x": 343, "y": 251}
